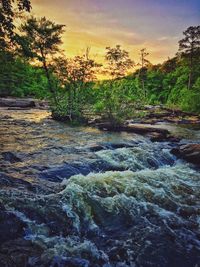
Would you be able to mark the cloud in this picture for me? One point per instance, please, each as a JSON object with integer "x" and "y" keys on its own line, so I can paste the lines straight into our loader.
{"x": 156, "y": 25}
{"x": 167, "y": 38}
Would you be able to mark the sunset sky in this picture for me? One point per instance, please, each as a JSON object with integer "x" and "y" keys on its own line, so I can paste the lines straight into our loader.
{"x": 135, "y": 24}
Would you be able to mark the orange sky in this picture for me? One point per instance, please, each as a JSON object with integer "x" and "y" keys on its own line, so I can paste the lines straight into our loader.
{"x": 135, "y": 24}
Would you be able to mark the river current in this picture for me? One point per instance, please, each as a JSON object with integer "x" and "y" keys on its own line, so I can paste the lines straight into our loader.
{"x": 90, "y": 198}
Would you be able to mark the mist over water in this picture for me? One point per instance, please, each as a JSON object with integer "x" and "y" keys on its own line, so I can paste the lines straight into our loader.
{"x": 91, "y": 198}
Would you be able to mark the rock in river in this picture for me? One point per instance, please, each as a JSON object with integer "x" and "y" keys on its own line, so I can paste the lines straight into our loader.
{"x": 20, "y": 103}
{"x": 189, "y": 152}
{"x": 11, "y": 227}
{"x": 10, "y": 156}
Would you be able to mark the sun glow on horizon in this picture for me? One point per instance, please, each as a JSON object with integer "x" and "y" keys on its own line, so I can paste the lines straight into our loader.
{"x": 155, "y": 25}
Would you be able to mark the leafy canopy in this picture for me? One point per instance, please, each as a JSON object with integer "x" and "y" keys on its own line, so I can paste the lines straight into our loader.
{"x": 118, "y": 62}
{"x": 191, "y": 40}
{"x": 41, "y": 38}
{"x": 7, "y": 16}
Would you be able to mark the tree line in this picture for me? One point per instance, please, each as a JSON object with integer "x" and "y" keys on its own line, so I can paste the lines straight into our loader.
{"x": 33, "y": 64}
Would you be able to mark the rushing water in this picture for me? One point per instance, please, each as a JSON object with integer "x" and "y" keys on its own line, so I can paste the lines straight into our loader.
{"x": 92, "y": 198}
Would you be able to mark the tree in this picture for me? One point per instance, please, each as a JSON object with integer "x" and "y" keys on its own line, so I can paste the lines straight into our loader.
{"x": 118, "y": 62}
{"x": 41, "y": 40}
{"x": 114, "y": 102}
{"x": 143, "y": 70}
{"x": 169, "y": 65}
{"x": 7, "y": 16}
{"x": 189, "y": 46}
{"x": 74, "y": 75}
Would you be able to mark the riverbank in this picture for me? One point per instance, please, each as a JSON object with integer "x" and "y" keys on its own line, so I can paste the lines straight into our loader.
{"x": 149, "y": 125}
{"x": 23, "y": 103}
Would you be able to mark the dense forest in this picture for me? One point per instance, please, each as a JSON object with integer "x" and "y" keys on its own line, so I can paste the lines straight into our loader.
{"x": 34, "y": 65}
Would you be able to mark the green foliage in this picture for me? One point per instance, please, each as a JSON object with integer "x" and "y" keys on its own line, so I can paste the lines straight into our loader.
{"x": 71, "y": 84}
{"x": 118, "y": 62}
{"x": 75, "y": 76}
{"x": 116, "y": 100}
{"x": 41, "y": 41}
{"x": 154, "y": 86}
{"x": 41, "y": 37}
{"x": 189, "y": 48}
{"x": 18, "y": 78}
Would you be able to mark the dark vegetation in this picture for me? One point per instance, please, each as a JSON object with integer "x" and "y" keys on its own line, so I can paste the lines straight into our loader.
{"x": 32, "y": 64}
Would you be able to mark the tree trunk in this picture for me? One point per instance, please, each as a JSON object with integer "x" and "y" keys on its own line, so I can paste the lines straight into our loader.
{"x": 70, "y": 104}
{"x": 143, "y": 87}
{"x": 48, "y": 76}
{"x": 191, "y": 69}
{"x": 49, "y": 82}
{"x": 189, "y": 80}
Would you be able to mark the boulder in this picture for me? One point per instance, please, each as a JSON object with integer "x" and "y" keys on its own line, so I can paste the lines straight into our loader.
{"x": 11, "y": 227}
{"x": 96, "y": 148}
{"x": 189, "y": 152}
{"x": 11, "y": 157}
{"x": 108, "y": 145}
{"x": 159, "y": 137}
{"x": 65, "y": 171}
{"x": 10, "y": 181}
{"x": 14, "y": 102}
{"x": 20, "y": 252}
{"x": 132, "y": 128}
{"x": 69, "y": 261}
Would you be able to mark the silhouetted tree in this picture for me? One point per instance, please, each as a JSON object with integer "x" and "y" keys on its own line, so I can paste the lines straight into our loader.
{"x": 74, "y": 74}
{"x": 143, "y": 70}
{"x": 41, "y": 40}
{"x": 7, "y": 16}
{"x": 115, "y": 101}
{"x": 189, "y": 46}
{"x": 118, "y": 62}
{"x": 169, "y": 65}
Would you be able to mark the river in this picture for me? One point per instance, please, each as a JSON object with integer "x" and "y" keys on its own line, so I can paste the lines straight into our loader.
{"x": 89, "y": 198}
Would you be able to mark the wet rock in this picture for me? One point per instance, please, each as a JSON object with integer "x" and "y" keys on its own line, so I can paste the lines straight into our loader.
{"x": 52, "y": 215}
{"x": 20, "y": 252}
{"x": 11, "y": 157}
{"x": 57, "y": 174}
{"x": 175, "y": 254}
{"x": 173, "y": 139}
{"x": 72, "y": 262}
{"x": 189, "y": 152}
{"x": 42, "y": 104}
{"x": 11, "y": 227}
{"x": 96, "y": 148}
{"x": 14, "y": 102}
{"x": 5, "y": 180}
{"x": 118, "y": 145}
{"x": 103, "y": 166}
{"x": 132, "y": 128}
{"x": 18, "y": 108}
{"x": 9, "y": 181}
{"x": 155, "y": 114}
{"x": 159, "y": 137}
